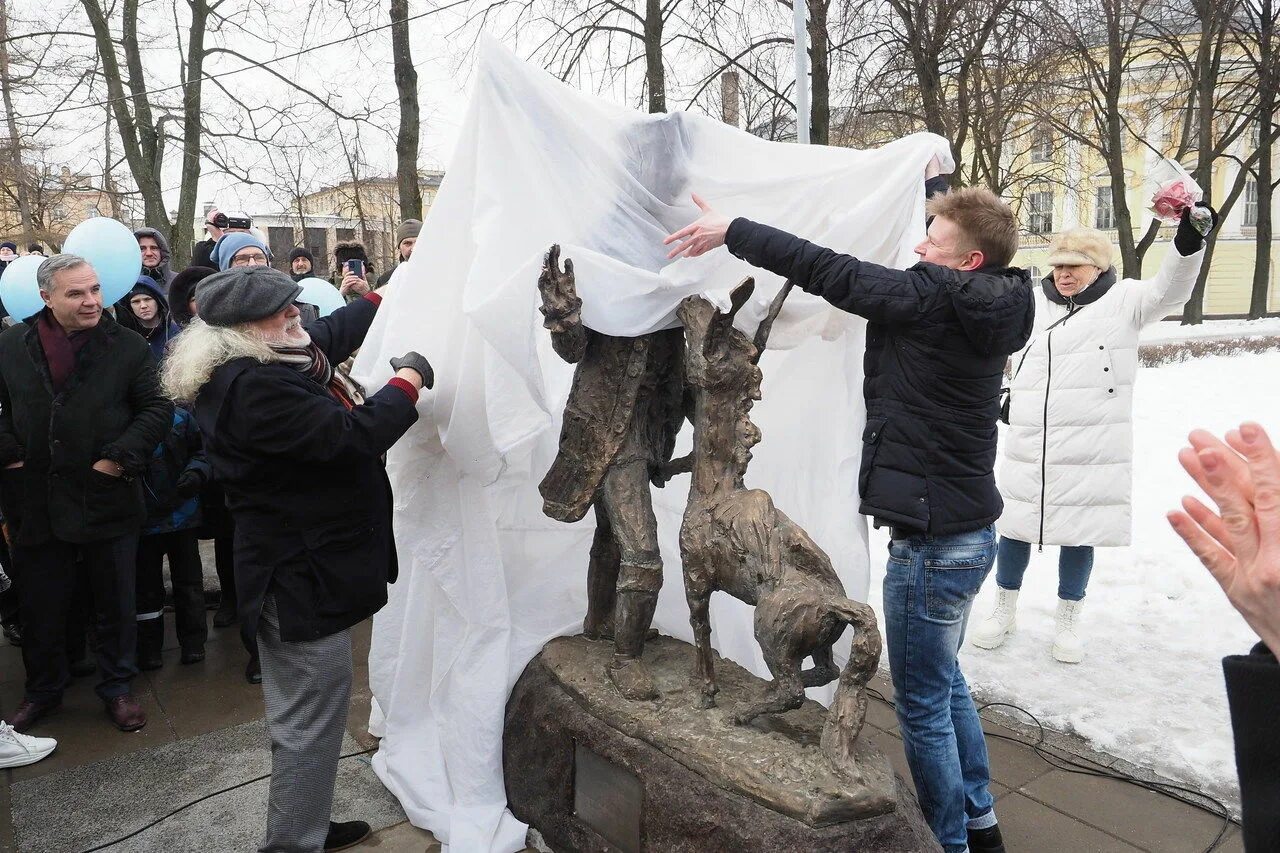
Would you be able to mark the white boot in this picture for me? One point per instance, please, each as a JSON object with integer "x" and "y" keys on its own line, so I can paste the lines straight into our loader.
{"x": 1002, "y": 622}
{"x": 1068, "y": 645}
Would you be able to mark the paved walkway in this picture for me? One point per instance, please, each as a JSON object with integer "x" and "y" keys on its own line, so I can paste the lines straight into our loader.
{"x": 205, "y": 733}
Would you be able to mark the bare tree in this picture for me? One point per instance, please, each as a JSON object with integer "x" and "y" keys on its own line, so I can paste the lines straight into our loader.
{"x": 1256, "y": 31}
{"x": 14, "y": 146}
{"x": 408, "y": 136}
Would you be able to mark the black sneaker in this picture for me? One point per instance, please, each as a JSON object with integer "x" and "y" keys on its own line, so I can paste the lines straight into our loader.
{"x": 986, "y": 840}
{"x": 344, "y": 835}
{"x": 12, "y": 633}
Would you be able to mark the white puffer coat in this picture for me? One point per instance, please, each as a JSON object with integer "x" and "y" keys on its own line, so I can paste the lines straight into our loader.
{"x": 1066, "y": 473}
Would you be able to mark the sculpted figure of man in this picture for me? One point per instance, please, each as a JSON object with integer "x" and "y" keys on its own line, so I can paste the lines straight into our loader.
{"x": 620, "y": 425}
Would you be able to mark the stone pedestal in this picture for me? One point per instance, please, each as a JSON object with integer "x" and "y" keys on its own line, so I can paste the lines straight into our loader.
{"x": 594, "y": 772}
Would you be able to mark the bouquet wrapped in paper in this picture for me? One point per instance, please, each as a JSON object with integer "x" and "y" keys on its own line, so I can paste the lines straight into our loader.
{"x": 1175, "y": 191}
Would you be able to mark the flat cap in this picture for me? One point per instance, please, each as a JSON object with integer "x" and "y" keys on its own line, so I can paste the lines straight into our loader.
{"x": 244, "y": 294}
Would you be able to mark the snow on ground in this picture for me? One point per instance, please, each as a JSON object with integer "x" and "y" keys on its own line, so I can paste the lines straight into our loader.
{"x": 1157, "y": 625}
{"x": 1172, "y": 331}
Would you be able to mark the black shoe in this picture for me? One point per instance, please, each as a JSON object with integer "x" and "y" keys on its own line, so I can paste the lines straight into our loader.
{"x": 253, "y": 672}
{"x": 225, "y": 614}
{"x": 344, "y": 835}
{"x": 12, "y": 633}
{"x": 986, "y": 840}
{"x": 83, "y": 667}
{"x": 192, "y": 655}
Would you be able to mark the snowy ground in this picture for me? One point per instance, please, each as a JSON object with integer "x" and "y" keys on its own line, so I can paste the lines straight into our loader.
{"x": 1150, "y": 689}
{"x": 1172, "y": 331}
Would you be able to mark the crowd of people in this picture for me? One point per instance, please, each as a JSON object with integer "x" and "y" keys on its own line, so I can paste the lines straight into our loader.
{"x": 128, "y": 433}
{"x": 114, "y": 463}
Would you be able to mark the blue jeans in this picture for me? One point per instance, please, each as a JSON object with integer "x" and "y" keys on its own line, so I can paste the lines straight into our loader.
{"x": 928, "y": 592}
{"x": 1075, "y": 563}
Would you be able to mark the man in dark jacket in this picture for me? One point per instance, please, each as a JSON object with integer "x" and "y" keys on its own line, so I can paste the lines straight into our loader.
{"x": 80, "y": 413}
{"x": 302, "y": 468}
{"x": 301, "y": 263}
{"x": 938, "y": 337}
{"x": 155, "y": 257}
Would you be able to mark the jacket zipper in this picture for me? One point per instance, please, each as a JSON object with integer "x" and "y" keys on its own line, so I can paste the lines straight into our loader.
{"x": 1044, "y": 431}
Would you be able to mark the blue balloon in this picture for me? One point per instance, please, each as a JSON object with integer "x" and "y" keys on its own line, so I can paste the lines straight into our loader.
{"x": 112, "y": 250}
{"x": 322, "y": 294}
{"x": 18, "y": 288}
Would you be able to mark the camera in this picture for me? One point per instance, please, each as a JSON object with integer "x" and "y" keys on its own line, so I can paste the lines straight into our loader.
{"x": 241, "y": 222}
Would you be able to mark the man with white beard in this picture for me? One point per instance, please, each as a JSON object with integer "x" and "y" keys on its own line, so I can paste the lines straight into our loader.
{"x": 302, "y": 467}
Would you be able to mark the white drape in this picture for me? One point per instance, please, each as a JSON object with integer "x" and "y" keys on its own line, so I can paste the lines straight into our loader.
{"x": 485, "y": 578}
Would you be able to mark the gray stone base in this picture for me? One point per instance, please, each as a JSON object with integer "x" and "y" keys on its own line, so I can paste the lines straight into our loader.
{"x": 593, "y": 772}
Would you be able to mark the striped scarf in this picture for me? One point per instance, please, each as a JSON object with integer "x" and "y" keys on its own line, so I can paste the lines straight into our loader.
{"x": 311, "y": 362}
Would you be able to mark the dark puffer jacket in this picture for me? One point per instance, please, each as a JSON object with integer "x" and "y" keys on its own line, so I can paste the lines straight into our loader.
{"x": 937, "y": 343}
{"x": 182, "y": 451}
{"x": 111, "y": 408}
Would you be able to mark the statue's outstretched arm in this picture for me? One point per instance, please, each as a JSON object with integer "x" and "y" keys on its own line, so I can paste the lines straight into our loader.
{"x": 561, "y": 307}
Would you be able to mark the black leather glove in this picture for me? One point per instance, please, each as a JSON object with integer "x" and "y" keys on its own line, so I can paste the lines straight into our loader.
{"x": 189, "y": 484}
{"x": 1192, "y": 231}
{"x": 416, "y": 362}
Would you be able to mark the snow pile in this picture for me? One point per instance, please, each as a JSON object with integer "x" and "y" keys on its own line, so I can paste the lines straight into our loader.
{"x": 1157, "y": 625}
{"x": 1172, "y": 331}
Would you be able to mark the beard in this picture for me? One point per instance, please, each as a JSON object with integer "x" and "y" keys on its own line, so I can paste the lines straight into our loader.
{"x": 293, "y": 335}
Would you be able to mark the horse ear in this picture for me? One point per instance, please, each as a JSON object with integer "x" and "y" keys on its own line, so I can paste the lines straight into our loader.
{"x": 740, "y": 294}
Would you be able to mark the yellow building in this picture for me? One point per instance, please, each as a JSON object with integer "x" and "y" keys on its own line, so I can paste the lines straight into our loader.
{"x": 1074, "y": 189}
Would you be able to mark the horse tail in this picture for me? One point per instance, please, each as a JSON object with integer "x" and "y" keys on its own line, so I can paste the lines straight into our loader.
{"x": 849, "y": 708}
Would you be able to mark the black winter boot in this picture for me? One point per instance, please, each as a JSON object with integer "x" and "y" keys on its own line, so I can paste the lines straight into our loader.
{"x": 986, "y": 840}
{"x": 150, "y": 642}
{"x": 344, "y": 835}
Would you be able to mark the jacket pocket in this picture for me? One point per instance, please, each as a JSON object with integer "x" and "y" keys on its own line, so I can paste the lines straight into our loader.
{"x": 343, "y": 567}
{"x": 872, "y": 436}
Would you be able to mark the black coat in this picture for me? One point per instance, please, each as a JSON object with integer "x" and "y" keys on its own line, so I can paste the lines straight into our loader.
{"x": 1253, "y": 691}
{"x": 111, "y": 408}
{"x": 305, "y": 484}
{"x": 937, "y": 343}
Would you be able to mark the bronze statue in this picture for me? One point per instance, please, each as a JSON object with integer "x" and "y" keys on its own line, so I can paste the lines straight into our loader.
{"x": 620, "y": 424}
{"x": 734, "y": 539}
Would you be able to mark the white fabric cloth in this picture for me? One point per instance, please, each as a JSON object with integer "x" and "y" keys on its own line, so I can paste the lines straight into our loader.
{"x": 1068, "y": 450}
{"x": 485, "y": 579}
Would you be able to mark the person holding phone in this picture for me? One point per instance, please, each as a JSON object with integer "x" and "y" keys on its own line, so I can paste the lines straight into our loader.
{"x": 354, "y": 273}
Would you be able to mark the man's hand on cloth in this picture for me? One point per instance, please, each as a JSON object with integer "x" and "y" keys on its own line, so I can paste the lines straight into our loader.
{"x": 1239, "y": 544}
{"x": 702, "y": 235}
{"x": 413, "y": 368}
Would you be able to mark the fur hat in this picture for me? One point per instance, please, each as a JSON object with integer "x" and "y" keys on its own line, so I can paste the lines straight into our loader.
{"x": 182, "y": 288}
{"x": 1081, "y": 246}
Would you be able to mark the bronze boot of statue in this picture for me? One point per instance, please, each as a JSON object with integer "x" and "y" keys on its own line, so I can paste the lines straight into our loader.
{"x": 627, "y": 670}
{"x": 602, "y": 582}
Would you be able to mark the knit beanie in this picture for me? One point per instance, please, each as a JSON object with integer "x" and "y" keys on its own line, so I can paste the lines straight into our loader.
{"x": 12, "y": 247}
{"x": 1081, "y": 246}
{"x": 302, "y": 252}
{"x": 408, "y": 228}
{"x": 225, "y": 249}
{"x": 244, "y": 294}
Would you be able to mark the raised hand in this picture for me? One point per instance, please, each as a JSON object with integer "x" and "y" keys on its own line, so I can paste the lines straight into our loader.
{"x": 1239, "y": 544}
{"x": 560, "y": 303}
{"x": 700, "y": 236}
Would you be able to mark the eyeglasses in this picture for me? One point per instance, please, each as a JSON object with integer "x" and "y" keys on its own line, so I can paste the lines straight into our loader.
{"x": 256, "y": 259}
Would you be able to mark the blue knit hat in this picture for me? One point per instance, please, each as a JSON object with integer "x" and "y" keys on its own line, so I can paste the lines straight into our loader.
{"x": 226, "y": 248}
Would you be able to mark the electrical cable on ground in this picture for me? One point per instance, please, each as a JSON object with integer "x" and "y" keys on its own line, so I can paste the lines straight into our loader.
{"x": 1210, "y": 805}
{"x": 218, "y": 793}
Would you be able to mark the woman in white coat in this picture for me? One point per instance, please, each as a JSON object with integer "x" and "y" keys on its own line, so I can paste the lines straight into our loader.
{"x": 1066, "y": 474}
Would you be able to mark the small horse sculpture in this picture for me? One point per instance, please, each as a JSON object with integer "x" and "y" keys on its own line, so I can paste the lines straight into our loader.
{"x": 734, "y": 539}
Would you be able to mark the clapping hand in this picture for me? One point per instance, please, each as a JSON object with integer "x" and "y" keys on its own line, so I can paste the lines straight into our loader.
{"x": 1239, "y": 544}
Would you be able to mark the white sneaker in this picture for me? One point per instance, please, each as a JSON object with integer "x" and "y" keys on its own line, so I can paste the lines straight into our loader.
{"x": 1068, "y": 645}
{"x": 1002, "y": 622}
{"x": 19, "y": 750}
